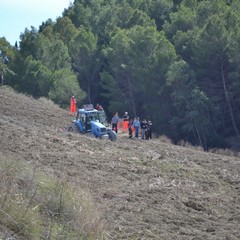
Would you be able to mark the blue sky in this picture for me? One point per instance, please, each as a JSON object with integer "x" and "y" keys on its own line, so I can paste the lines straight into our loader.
{"x": 16, "y": 15}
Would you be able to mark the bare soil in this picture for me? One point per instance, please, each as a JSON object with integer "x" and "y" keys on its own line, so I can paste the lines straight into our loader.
{"x": 144, "y": 189}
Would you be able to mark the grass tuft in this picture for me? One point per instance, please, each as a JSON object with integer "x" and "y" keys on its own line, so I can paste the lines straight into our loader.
{"x": 36, "y": 206}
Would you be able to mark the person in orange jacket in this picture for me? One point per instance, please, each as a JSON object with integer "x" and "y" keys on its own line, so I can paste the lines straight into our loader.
{"x": 73, "y": 106}
{"x": 125, "y": 122}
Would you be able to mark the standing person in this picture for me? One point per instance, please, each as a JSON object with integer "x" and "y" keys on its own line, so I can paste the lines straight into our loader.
{"x": 149, "y": 131}
{"x": 130, "y": 125}
{"x": 136, "y": 125}
{"x": 73, "y": 106}
{"x": 143, "y": 128}
{"x": 115, "y": 120}
{"x": 125, "y": 116}
{"x": 125, "y": 122}
{"x": 99, "y": 107}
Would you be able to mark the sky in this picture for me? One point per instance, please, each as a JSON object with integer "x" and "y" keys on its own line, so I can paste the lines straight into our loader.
{"x": 16, "y": 15}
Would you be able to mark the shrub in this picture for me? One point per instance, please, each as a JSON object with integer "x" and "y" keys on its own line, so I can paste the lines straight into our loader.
{"x": 36, "y": 206}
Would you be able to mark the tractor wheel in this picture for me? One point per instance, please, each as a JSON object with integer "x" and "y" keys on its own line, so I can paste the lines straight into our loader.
{"x": 112, "y": 135}
{"x": 73, "y": 129}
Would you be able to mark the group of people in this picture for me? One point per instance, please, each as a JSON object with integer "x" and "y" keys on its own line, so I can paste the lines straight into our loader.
{"x": 135, "y": 126}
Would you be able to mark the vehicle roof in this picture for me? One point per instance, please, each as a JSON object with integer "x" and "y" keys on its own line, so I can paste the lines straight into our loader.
{"x": 87, "y": 108}
{"x": 82, "y": 110}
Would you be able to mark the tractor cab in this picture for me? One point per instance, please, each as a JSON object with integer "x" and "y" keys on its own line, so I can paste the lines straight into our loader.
{"x": 87, "y": 115}
{"x": 91, "y": 120}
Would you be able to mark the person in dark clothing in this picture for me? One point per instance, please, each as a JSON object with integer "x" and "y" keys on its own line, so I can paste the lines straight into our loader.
{"x": 149, "y": 131}
{"x": 130, "y": 132}
{"x": 143, "y": 128}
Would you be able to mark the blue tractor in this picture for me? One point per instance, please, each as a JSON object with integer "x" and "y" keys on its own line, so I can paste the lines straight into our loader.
{"x": 91, "y": 120}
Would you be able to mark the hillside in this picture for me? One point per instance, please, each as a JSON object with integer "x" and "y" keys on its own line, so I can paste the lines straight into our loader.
{"x": 144, "y": 189}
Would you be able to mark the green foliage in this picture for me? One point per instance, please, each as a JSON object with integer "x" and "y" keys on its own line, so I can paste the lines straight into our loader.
{"x": 47, "y": 29}
{"x": 7, "y": 55}
{"x": 52, "y": 53}
{"x": 182, "y": 20}
{"x": 27, "y": 43}
{"x": 79, "y": 15}
{"x": 112, "y": 92}
{"x": 175, "y": 62}
{"x": 65, "y": 85}
{"x": 139, "y": 58}
{"x": 66, "y": 29}
{"x": 36, "y": 79}
{"x": 213, "y": 66}
{"x": 190, "y": 102}
{"x": 83, "y": 49}
{"x": 158, "y": 10}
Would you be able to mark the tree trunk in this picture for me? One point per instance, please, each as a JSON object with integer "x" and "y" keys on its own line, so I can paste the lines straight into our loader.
{"x": 131, "y": 96}
{"x": 198, "y": 134}
{"x": 228, "y": 103}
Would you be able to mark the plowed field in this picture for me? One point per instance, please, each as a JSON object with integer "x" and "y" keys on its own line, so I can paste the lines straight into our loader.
{"x": 144, "y": 189}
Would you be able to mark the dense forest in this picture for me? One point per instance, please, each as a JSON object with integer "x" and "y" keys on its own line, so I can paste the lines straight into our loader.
{"x": 175, "y": 62}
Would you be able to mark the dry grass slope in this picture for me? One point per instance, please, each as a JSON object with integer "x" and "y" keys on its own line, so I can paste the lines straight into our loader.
{"x": 131, "y": 189}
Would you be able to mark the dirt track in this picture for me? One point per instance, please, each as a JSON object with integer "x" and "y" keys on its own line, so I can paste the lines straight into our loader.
{"x": 145, "y": 189}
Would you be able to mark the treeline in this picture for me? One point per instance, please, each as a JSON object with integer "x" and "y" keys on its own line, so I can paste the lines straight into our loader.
{"x": 175, "y": 62}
